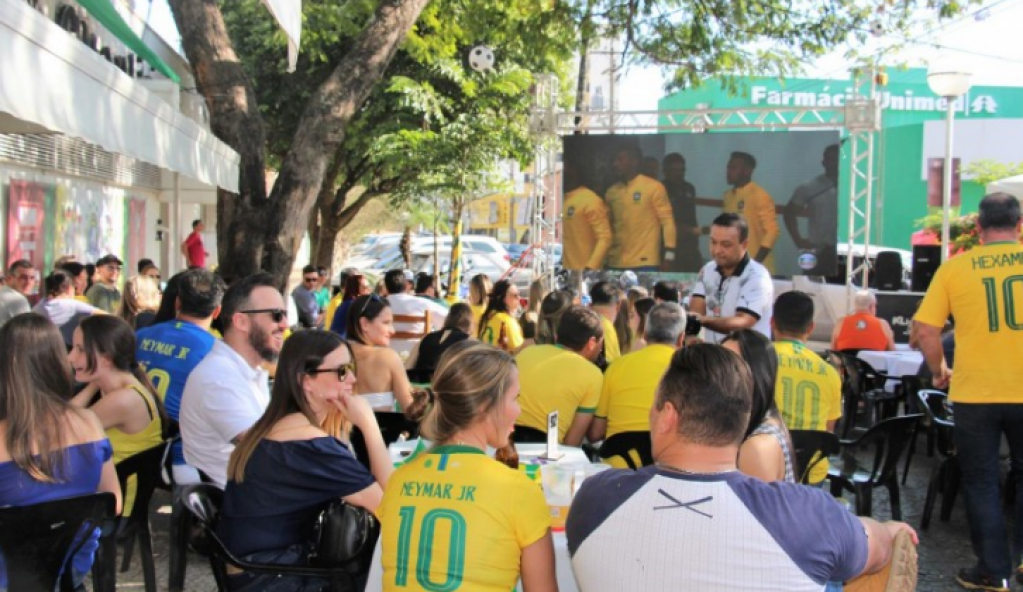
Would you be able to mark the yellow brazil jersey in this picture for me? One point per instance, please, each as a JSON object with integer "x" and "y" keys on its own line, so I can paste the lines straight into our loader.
{"x": 586, "y": 230}
{"x": 456, "y": 519}
{"x": 335, "y": 302}
{"x": 980, "y": 288}
{"x": 641, "y": 223}
{"x": 551, "y": 378}
{"x": 808, "y": 393}
{"x": 628, "y": 393}
{"x": 757, "y": 207}
{"x": 502, "y": 323}
{"x": 612, "y": 350}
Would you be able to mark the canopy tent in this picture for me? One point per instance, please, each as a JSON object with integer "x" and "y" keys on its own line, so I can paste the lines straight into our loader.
{"x": 52, "y": 83}
{"x": 1010, "y": 185}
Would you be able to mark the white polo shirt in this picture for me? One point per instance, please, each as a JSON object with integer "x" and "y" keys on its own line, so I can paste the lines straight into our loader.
{"x": 749, "y": 289}
{"x": 223, "y": 397}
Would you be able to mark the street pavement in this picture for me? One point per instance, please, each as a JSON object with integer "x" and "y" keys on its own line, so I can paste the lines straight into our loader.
{"x": 944, "y": 547}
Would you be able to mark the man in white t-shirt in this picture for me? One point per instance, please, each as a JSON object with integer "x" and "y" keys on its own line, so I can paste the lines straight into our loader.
{"x": 403, "y": 303}
{"x": 228, "y": 391}
{"x": 733, "y": 291}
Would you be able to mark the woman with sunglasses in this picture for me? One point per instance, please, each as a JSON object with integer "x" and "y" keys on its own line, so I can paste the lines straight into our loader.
{"x": 287, "y": 469}
{"x": 384, "y": 380}
{"x": 498, "y": 326}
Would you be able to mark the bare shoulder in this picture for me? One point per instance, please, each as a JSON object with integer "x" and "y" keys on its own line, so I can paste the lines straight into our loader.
{"x": 85, "y": 425}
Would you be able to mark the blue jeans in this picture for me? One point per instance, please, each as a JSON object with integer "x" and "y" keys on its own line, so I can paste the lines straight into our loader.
{"x": 978, "y": 436}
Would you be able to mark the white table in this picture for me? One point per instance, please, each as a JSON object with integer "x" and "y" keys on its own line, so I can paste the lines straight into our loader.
{"x": 895, "y": 364}
{"x": 527, "y": 452}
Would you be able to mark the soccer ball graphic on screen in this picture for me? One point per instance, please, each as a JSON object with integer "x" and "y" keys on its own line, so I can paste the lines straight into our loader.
{"x": 481, "y": 58}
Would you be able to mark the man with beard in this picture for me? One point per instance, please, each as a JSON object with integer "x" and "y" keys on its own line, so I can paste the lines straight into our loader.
{"x": 228, "y": 391}
{"x": 682, "y": 196}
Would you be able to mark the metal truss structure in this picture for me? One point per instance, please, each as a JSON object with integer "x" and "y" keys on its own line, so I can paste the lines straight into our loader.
{"x": 860, "y": 117}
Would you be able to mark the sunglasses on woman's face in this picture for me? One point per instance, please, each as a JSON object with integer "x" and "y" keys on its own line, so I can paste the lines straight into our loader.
{"x": 342, "y": 371}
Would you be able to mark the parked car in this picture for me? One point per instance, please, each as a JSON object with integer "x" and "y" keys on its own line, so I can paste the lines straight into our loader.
{"x": 473, "y": 262}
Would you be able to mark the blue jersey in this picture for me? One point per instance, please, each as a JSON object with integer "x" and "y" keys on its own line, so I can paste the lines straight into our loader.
{"x": 168, "y": 353}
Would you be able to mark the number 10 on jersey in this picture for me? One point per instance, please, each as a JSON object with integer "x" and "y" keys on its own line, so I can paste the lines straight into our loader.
{"x": 451, "y": 573}
{"x": 1008, "y": 302}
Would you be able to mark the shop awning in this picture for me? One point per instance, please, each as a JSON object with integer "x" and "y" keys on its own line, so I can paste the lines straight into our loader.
{"x": 105, "y": 13}
{"x": 48, "y": 78}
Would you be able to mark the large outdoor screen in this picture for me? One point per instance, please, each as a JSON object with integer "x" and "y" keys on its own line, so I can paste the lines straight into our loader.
{"x": 645, "y": 202}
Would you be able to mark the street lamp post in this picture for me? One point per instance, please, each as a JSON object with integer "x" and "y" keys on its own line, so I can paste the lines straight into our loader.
{"x": 949, "y": 82}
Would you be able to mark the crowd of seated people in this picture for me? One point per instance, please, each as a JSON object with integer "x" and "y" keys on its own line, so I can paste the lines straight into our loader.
{"x": 281, "y": 453}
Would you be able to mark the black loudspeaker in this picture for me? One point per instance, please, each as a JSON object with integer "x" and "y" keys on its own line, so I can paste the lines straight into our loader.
{"x": 888, "y": 271}
{"x": 926, "y": 260}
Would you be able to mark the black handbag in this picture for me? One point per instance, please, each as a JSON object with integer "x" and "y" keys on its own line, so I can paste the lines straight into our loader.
{"x": 344, "y": 537}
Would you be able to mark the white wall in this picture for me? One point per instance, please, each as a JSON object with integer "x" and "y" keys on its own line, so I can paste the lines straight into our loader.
{"x": 973, "y": 140}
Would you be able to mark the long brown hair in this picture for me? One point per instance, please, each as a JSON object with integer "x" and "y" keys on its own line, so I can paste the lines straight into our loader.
{"x": 621, "y": 324}
{"x": 495, "y": 304}
{"x": 302, "y": 353}
{"x": 141, "y": 294}
{"x": 114, "y": 339}
{"x": 35, "y": 393}
{"x": 479, "y": 289}
{"x": 469, "y": 382}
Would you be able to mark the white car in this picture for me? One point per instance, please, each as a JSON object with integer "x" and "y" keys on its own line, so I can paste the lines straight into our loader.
{"x": 473, "y": 262}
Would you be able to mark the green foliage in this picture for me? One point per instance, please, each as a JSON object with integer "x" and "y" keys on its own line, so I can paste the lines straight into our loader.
{"x": 985, "y": 172}
{"x": 432, "y": 125}
{"x": 729, "y": 39}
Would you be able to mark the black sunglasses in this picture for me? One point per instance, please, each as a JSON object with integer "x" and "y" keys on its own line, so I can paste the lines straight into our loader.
{"x": 276, "y": 314}
{"x": 342, "y": 371}
{"x": 372, "y": 298}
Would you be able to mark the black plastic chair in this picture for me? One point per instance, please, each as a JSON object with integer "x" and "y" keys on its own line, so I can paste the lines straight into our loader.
{"x": 523, "y": 434}
{"x": 890, "y": 437}
{"x": 810, "y": 448}
{"x": 863, "y": 383}
{"x": 146, "y": 467}
{"x": 946, "y": 475}
{"x": 624, "y": 444}
{"x": 38, "y": 541}
{"x": 203, "y": 501}
{"x": 911, "y": 385}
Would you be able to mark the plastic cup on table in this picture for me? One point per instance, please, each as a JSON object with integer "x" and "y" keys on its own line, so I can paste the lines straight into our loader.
{"x": 558, "y": 489}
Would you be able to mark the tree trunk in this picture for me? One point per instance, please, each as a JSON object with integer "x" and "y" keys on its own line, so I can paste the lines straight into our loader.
{"x": 254, "y": 232}
{"x": 235, "y": 119}
{"x": 335, "y": 217}
{"x": 323, "y": 125}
